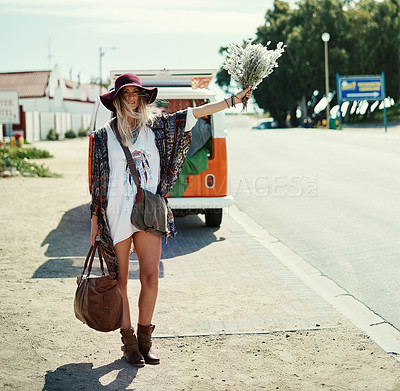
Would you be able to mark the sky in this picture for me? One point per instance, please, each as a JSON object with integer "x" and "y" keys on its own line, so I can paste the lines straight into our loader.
{"x": 134, "y": 35}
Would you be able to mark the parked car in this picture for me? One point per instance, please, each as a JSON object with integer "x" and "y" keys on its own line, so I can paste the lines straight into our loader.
{"x": 207, "y": 192}
{"x": 268, "y": 123}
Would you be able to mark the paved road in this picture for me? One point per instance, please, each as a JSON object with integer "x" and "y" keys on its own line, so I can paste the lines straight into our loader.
{"x": 331, "y": 196}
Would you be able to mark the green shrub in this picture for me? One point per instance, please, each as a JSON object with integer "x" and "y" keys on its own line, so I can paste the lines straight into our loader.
{"x": 52, "y": 135}
{"x": 70, "y": 134}
{"x": 19, "y": 158}
{"x": 4, "y": 160}
{"x": 392, "y": 113}
{"x": 82, "y": 132}
{"x": 29, "y": 153}
{"x": 27, "y": 168}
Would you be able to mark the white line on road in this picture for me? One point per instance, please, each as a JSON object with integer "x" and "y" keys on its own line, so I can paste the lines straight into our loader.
{"x": 383, "y": 333}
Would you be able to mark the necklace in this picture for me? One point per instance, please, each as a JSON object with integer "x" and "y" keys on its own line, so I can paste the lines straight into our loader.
{"x": 135, "y": 135}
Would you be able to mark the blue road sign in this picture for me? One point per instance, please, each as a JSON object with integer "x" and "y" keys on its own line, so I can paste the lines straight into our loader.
{"x": 362, "y": 87}
{"x": 353, "y": 88}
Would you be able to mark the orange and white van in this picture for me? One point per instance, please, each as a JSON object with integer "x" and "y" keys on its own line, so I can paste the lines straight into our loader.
{"x": 207, "y": 192}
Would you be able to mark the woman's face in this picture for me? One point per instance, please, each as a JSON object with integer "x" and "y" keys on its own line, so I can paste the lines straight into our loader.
{"x": 131, "y": 96}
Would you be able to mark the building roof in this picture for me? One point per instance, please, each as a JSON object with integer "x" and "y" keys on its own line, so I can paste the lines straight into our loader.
{"x": 28, "y": 84}
{"x": 85, "y": 87}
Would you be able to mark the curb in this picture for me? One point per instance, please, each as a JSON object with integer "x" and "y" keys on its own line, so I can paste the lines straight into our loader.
{"x": 380, "y": 331}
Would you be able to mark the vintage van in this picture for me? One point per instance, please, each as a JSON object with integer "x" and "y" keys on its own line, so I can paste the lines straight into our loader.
{"x": 202, "y": 187}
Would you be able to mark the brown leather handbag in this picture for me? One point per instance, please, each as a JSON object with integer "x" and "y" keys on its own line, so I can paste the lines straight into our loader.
{"x": 98, "y": 299}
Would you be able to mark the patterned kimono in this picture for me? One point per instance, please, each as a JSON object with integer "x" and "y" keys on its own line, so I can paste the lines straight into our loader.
{"x": 172, "y": 143}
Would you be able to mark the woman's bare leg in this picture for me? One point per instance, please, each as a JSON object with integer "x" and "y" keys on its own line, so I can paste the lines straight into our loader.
{"x": 122, "y": 249}
{"x": 148, "y": 251}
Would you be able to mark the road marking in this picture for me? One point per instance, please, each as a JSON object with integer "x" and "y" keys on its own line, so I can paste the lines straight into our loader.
{"x": 380, "y": 331}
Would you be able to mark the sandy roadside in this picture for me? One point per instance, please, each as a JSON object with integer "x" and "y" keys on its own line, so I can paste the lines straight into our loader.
{"x": 44, "y": 238}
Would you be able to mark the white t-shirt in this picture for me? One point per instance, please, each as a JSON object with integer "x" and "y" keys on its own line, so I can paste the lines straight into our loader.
{"x": 122, "y": 188}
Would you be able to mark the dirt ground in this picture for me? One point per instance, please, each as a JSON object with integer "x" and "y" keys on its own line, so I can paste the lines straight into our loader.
{"x": 44, "y": 239}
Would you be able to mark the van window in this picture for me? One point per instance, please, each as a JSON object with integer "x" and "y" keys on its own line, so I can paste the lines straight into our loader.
{"x": 202, "y": 132}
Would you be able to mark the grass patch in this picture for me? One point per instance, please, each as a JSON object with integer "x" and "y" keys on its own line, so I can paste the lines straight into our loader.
{"x": 12, "y": 159}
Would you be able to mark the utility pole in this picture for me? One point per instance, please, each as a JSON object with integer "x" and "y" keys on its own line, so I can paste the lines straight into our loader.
{"x": 49, "y": 52}
{"x": 326, "y": 37}
{"x": 101, "y": 54}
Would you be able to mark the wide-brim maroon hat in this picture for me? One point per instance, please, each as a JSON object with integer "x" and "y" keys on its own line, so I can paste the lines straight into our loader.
{"x": 124, "y": 80}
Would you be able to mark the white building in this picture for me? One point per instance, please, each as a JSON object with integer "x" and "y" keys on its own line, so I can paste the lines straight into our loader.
{"x": 47, "y": 101}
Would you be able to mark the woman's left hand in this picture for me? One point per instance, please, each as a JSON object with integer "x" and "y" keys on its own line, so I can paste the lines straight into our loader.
{"x": 240, "y": 95}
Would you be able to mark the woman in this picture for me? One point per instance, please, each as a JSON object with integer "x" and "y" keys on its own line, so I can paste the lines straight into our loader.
{"x": 159, "y": 145}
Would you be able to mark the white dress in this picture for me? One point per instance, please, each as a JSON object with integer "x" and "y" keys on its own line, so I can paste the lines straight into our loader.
{"x": 122, "y": 188}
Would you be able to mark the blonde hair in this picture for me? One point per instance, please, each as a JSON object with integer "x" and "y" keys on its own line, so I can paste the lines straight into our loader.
{"x": 143, "y": 116}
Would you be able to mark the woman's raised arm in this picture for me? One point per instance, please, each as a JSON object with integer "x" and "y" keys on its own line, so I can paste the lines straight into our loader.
{"x": 211, "y": 108}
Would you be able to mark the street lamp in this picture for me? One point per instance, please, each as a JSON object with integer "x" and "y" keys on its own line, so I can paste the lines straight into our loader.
{"x": 101, "y": 54}
{"x": 326, "y": 37}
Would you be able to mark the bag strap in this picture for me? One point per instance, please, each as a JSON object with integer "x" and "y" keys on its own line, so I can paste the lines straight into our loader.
{"x": 89, "y": 260}
{"x": 104, "y": 257}
{"x": 128, "y": 155}
{"x": 90, "y": 257}
{"x": 131, "y": 164}
{"x": 100, "y": 255}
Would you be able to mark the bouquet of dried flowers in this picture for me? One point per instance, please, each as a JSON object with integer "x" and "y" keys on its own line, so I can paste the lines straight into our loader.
{"x": 249, "y": 65}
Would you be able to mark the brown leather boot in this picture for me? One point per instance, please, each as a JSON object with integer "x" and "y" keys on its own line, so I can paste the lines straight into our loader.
{"x": 144, "y": 339}
{"x": 131, "y": 348}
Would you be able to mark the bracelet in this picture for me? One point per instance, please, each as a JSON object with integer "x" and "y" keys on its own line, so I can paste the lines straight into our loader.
{"x": 227, "y": 103}
{"x": 233, "y": 103}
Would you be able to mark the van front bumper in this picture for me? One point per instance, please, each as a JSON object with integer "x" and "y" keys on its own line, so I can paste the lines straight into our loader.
{"x": 200, "y": 202}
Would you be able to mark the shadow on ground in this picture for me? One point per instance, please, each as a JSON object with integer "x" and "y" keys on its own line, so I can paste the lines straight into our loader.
{"x": 193, "y": 235}
{"x": 68, "y": 244}
{"x": 117, "y": 375}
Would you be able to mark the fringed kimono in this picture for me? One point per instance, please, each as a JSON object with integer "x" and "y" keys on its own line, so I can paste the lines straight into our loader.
{"x": 173, "y": 144}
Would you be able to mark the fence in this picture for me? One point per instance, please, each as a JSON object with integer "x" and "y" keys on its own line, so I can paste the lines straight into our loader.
{"x": 37, "y": 124}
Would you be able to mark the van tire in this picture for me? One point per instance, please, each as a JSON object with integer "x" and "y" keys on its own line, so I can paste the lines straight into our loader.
{"x": 213, "y": 217}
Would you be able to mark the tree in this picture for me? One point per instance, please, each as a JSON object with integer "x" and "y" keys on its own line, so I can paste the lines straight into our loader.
{"x": 365, "y": 39}
{"x": 313, "y": 18}
{"x": 374, "y": 40}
